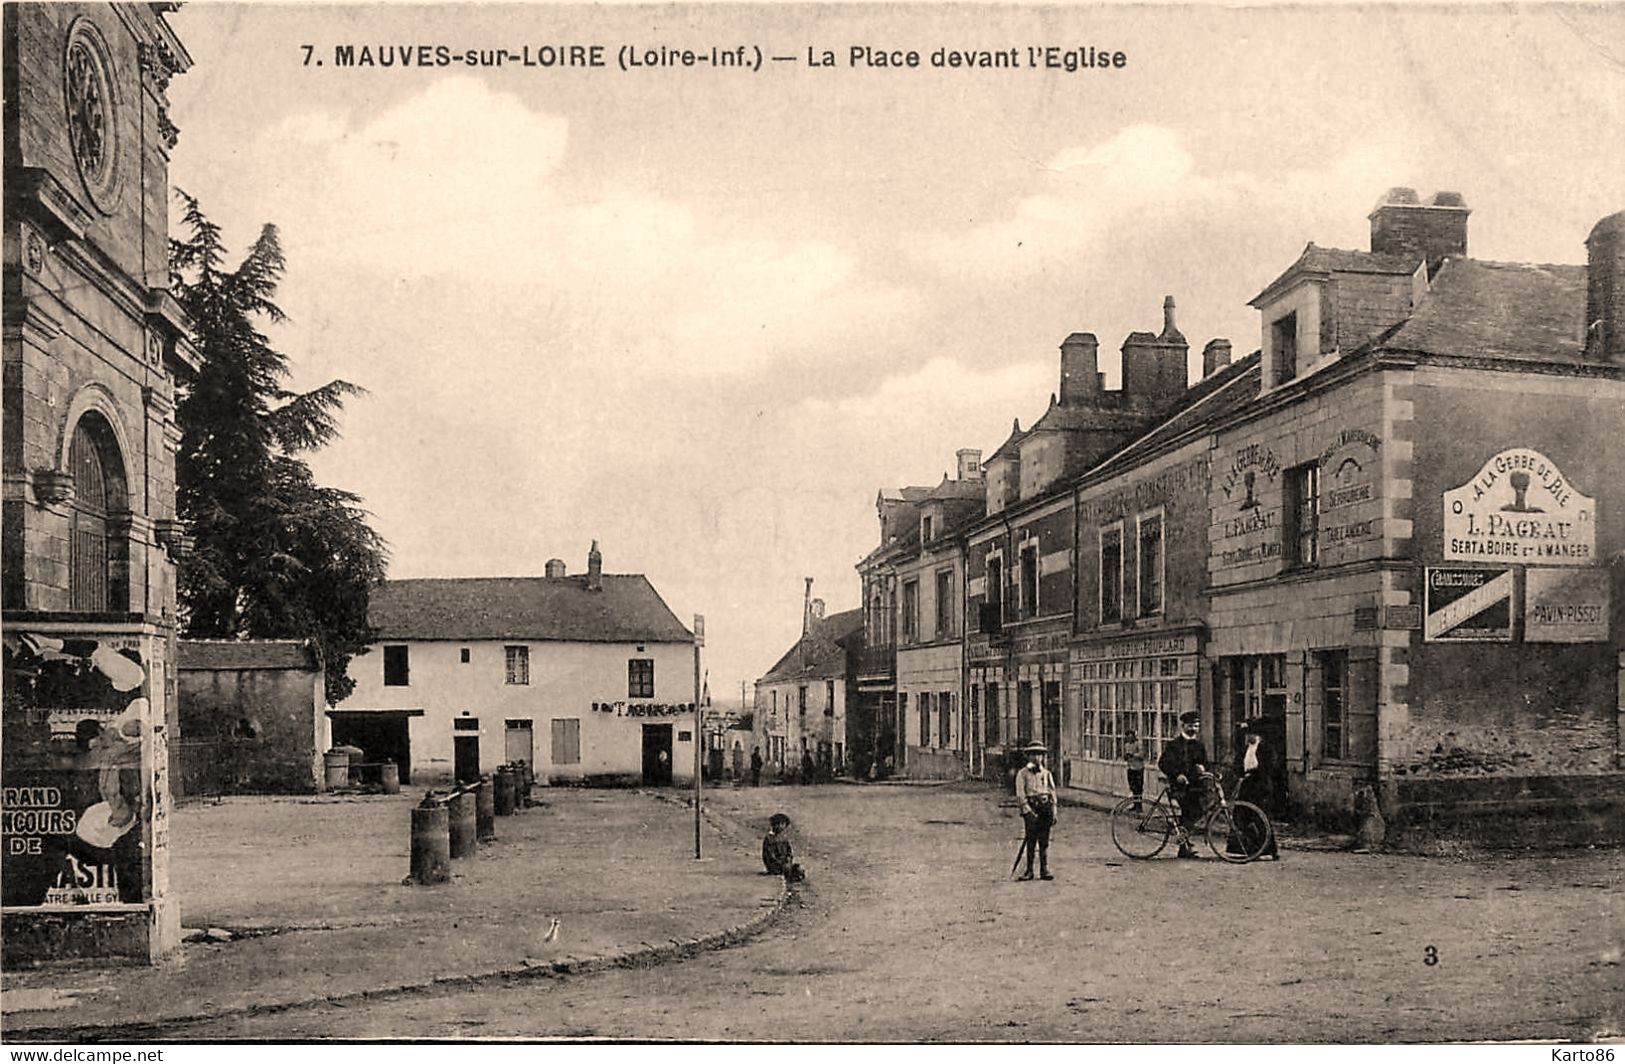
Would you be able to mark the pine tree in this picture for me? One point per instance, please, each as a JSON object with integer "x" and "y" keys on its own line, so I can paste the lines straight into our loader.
{"x": 278, "y": 556}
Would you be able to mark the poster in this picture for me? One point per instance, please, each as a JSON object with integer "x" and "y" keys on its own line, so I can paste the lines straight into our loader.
{"x": 74, "y": 786}
{"x": 1468, "y": 605}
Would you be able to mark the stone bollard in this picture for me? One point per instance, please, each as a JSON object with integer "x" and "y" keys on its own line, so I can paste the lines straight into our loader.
{"x": 502, "y": 792}
{"x": 463, "y": 830}
{"x": 431, "y": 842}
{"x": 485, "y": 817}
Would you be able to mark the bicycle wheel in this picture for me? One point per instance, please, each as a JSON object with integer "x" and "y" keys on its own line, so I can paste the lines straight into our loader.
{"x": 1239, "y": 832}
{"x": 1141, "y": 833}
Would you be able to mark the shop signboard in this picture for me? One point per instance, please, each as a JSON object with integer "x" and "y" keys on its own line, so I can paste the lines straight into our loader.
{"x": 78, "y": 774}
{"x": 1519, "y": 509}
{"x": 1468, "y": 605}
{"x": 1566, "y": 606}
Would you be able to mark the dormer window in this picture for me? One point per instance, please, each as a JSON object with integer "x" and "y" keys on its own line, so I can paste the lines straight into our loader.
{"x": 925, "y": 529}
{"x": 1284, "y": 346}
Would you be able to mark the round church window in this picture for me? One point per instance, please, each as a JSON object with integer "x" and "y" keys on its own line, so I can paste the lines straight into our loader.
{"x": 92, "y": 125}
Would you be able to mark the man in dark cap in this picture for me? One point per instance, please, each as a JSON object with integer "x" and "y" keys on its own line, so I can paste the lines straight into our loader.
{"x": 1035, "y": 793}
{"x": 1184, "y": 761}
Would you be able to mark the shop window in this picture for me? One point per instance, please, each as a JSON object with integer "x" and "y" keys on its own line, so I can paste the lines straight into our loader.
{"x": 1303, "y": 513}
{"x": 1029, "y": 580}
{"x": 640, "y": 678}
{"x": 567, "y": 741}
{"x": 517, "y": 664}
{"x": 1334, "y": 671}
{"x": 911, "y": 611}
{"x": 1151, "y": 564}
{"x": 990, "y": 715}
{"x": 1111, "y": 574}
{"x": 397, "y": 666}
{"x": 1024, "y": 713}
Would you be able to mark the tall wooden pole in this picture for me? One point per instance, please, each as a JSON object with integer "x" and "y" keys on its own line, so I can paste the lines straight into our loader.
{"x": 699, "y": 735}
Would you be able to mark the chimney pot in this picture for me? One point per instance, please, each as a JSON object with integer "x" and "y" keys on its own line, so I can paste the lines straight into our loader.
{"x": 595, "y": 568}
{"x": 1215, "y": 356}
{"x": 1605, "y": 290}
{"x": 554, "y": 568}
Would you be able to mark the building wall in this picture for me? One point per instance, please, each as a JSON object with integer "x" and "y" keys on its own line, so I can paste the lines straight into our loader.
{"x": 249, "y": 731}
{"x": 800, "y": 731}
{"x": 935, "y": 671}
{"x": 567, "y": 680}
{"x": 1518, "y": 707}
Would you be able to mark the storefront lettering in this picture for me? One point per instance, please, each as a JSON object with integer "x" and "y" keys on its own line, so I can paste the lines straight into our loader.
{"x": 644, "y": 709}
{"x": 1348, "y": 437}
{"x": 1249, "y": 460}
{"x": 1257, "y": 521}
{"x": 1249, "y": 555}
{"x": 1520, "y": 508}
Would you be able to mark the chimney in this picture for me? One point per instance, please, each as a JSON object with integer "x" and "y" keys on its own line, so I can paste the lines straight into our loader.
{"x": 806, "y": 607}
{"x": 595, "y": 569}
{"x": 1154, "y": 366}
{"x": 1170, "y": 331}
{"x": 1433, "y": 230}
{"x": 554, "y": 569}
{"x": 816, "y": 609}
{"x": 1080, "y": 377}
{"x": 1605, "y": 290}
{"x": 970, "y": 463}
{"x": 1215, "y": 356}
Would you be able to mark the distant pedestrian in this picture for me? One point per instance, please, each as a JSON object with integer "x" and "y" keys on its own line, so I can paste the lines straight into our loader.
{"x": 756, "y": 766}
{"x": 1134, "y": 758}
{"x": 1035, "y": 793}
{"x": 806, "y": 766}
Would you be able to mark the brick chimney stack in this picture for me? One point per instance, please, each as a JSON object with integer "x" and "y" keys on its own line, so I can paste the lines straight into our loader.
{"x": 595, "y": 569}
{"x": 1605, "y": 290}
{"x": 1434, "y": 231}
{"x": 1215, "y": 356}
{"x": 1080, "y": 374}
{"x": 970, "y": 463}
{"x": 554, "y": 570}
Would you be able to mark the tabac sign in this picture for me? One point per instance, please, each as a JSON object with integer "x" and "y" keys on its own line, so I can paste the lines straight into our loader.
{"x": 1520, "y": 510}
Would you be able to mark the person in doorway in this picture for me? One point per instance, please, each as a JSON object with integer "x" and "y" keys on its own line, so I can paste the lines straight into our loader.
{"x": 1184, "y": 762}
{"x": 756, "y": 766}
{"x": 1255, "y": 768}
{"x": 1035, "y": 794}
{"x": 1134, "y": 758}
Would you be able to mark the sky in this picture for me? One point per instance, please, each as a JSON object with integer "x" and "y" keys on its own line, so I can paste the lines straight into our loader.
{"x": 703, "y": 315}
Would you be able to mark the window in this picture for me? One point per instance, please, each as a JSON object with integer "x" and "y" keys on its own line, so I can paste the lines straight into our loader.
{"x": 945, "y": 728}
{"x": 990, "y": 714}
{"x": 1029, "y": 580}
{"x": 925, "y": 529}
{"x": 463, "y": 656}
{"x": 1284, "y": 339}
{"x": 97, "y": 551}
{"x": 396, "y": 668}
{"x": 567, "y": 741}
{"x": 1111, "y": 574}
{"x": 466, "y": 724}
{"x": 945, "y": 603}
{"x": 925, "y": 719}
{"x": 1334, "y": 671}
{"x": 1151, "y": 557}
{"x": 911, "y": 610}
{"x": 1303, "y": 513}
{"x": 640, "y": 678}
{"x": 518, "y": 664}
{"x": 829, "y": 698}
{"x": 993, "y": 595}
{"x": 801, "y": 700}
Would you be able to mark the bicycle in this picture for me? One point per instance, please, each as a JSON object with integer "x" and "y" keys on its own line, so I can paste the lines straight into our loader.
{"x": 1236, "y": 831}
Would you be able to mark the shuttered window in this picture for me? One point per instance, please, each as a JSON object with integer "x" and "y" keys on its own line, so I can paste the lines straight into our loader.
{"x": 567, "y": 741}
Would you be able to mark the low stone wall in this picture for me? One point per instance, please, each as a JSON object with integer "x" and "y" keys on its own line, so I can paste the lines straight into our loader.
{"x": 1538, "y": 811}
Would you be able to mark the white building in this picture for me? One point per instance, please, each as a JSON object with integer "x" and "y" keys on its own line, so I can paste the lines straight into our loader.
{"x": 590, "y": 678}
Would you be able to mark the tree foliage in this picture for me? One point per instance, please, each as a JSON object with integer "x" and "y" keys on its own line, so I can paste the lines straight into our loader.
{"x": 278, "y": 556}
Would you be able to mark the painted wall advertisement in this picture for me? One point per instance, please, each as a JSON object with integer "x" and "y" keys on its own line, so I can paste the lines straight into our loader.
{"x": 1467, "y": 605}
{"x": 1566, "y": 606}
{"x": 75, "y": 789}
{"x": 1520, "y": 510}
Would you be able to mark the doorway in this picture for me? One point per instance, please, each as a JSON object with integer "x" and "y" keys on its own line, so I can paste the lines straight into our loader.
{"x": 657, "y": 754}
{"x": 381, "y": 735}
{"x": 465, "y": 749}
{"x": 1252, "y": 688}
{"x": 519, "y": 742}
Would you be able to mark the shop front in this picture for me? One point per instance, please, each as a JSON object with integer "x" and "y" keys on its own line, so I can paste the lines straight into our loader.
{"x": 1140, "y": 684}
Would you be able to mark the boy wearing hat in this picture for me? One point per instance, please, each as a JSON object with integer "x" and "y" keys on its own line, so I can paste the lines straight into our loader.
{"x": 1183, "y": 760}
{"x": 1035, "y": 793}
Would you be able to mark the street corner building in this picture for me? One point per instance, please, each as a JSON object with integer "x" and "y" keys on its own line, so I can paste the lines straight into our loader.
{"x": 589, "y": 679}
{"x": 1385, "y": 540}
{"x": 801, "y": 707}
{"x": 94, "y": 347}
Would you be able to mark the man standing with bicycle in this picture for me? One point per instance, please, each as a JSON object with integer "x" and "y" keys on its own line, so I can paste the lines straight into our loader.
{"x": 1184, "y": 762}
{"x": 1035, "y": 793}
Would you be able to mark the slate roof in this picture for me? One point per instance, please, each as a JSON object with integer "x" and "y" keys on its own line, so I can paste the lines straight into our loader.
{"x": 1499, "y": 310}
{"x": 1336, "y": 260}
{"x": 627, "y": 610}
{"x": 824, "y": 656}
{"x": 224, "y": 655}
{"x": 1206, "y": 401}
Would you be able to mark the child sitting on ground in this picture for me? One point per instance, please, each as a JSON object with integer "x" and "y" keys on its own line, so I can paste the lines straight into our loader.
{"x": 777, "y": 857}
